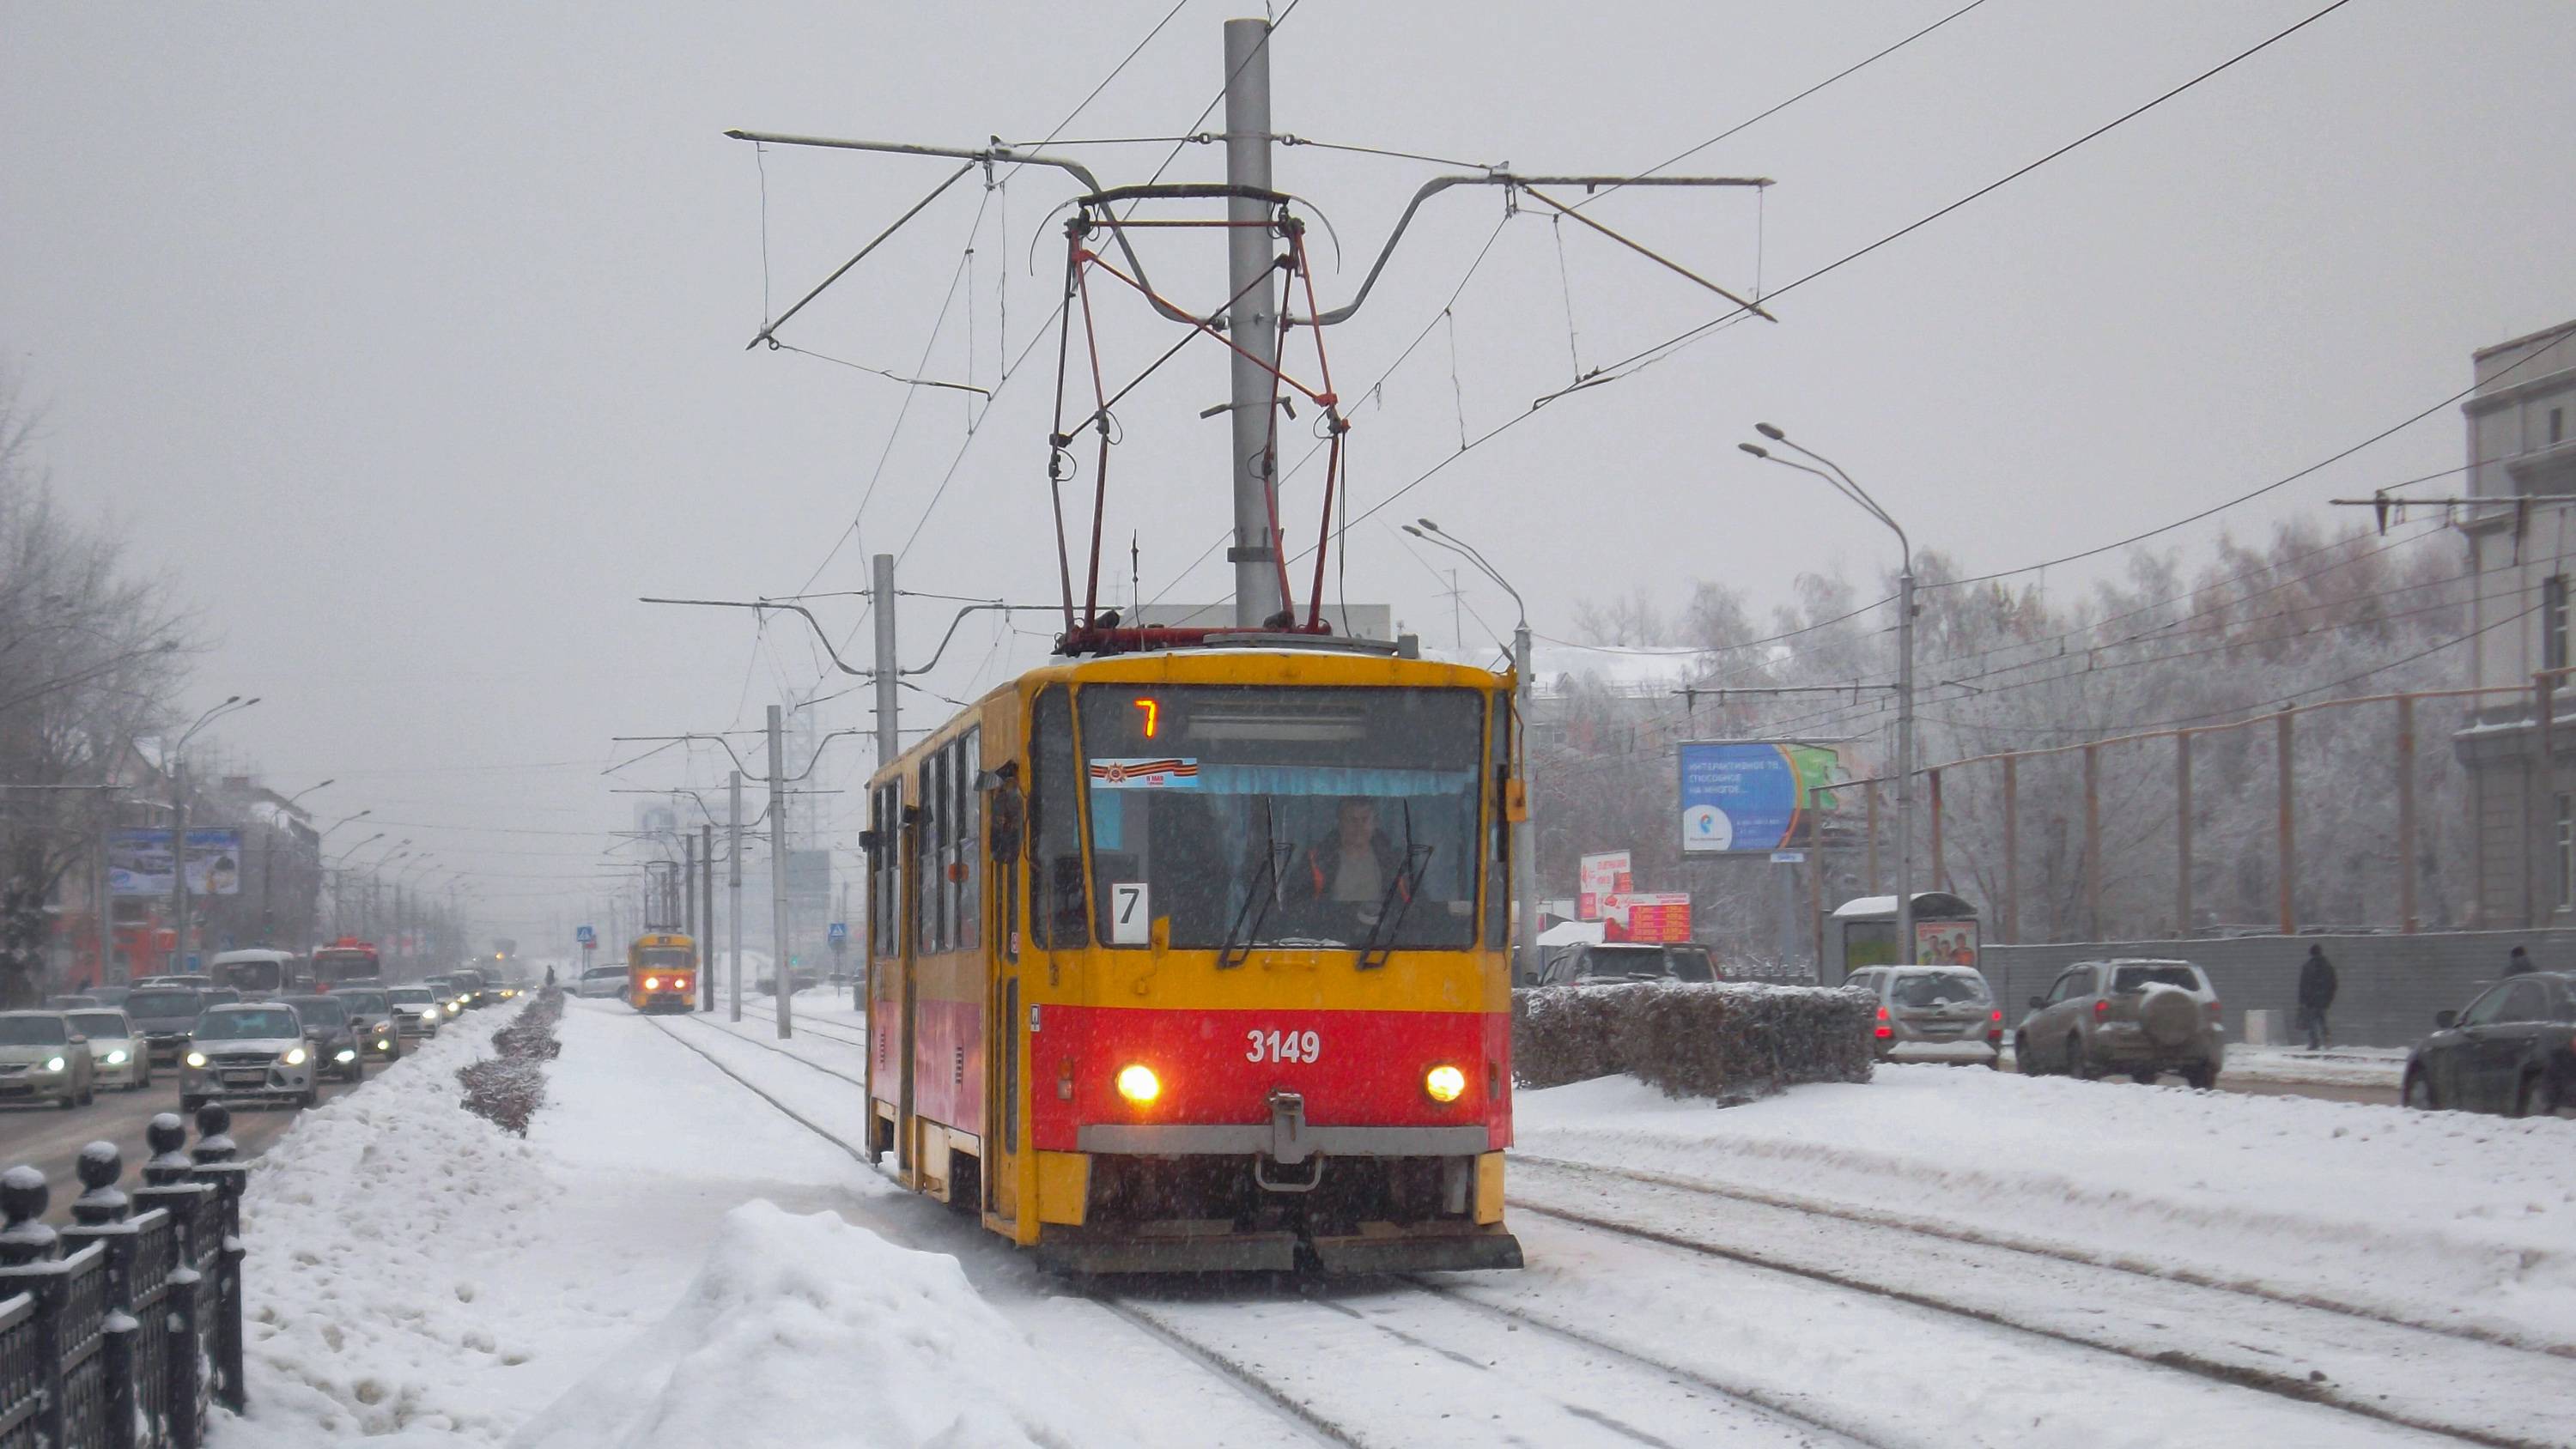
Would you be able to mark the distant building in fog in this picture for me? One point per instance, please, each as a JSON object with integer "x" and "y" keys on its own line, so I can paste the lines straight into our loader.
{"x": 2522, "y": 552}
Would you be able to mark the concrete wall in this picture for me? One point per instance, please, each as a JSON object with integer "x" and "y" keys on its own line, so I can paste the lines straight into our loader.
{"x": 2390, "y": 986}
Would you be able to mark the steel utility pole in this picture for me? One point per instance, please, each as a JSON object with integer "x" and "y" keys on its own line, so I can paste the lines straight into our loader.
{"x": 733, "y": 882}
{"x": 881, "y": 597}
{"x": 688, "y": 886}
{"x": 783, "y": 979}
{"x": 707, "y": 915}
{"x": 1253, "y": 321}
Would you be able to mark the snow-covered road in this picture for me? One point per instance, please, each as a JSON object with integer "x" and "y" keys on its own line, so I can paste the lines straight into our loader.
{"x": 1937, "y": 1258}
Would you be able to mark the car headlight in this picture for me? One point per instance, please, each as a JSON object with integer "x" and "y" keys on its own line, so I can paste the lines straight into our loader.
{"x": 116, "y": 1058}
{"x": 198, "y": 1059}
{"x": 347, "y": 1054}
{"x": 55, "y": 1064}
{"x": 454, "y": 1007}
{"x": 295, "y": 1057}
{"x": 1138, "y": 1084}
{"x": 383, "y": 1045}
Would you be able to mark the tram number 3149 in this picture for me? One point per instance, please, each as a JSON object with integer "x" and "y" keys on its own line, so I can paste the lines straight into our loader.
{"x": 1282, "y": 1046}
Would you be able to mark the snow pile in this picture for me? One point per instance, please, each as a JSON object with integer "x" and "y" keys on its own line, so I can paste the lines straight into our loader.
{"x": 808, "y": 1330}
{"x": 354, "y": 1220}
{"x": 2436, "y": 1217}
{"x": 2349, "y": 1067}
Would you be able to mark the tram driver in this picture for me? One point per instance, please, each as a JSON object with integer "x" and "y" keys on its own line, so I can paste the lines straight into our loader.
{"x": 1342, "y": 879}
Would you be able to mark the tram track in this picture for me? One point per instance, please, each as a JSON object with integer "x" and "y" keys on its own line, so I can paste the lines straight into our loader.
{"x": 2385, "y": 1372}
{"x": 1275, "y": 1394}
{"x": 796, "y": 1057}
{"x": 2169, "y": 1273}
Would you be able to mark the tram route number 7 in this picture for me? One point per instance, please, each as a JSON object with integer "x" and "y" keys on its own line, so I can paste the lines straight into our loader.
{"x": 1131, "y": 913}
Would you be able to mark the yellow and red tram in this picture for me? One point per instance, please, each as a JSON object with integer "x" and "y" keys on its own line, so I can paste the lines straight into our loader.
{"x": 1196, "y": 958}
{"x": 662, "y": 972}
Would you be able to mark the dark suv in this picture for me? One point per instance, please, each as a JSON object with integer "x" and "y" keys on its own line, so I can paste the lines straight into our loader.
{"x": 2512, "y": 1051}
{"x": 2138, "y": 1016}
{"x": 332, "y": 1035}
{"x": 1602, "y": 963}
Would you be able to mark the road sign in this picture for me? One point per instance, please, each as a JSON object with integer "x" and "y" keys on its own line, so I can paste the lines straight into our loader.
{"x": 585, "y": 935}
{"x": 840, "y": 932}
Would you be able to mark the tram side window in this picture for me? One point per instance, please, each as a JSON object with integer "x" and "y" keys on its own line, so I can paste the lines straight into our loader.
{"x": 885, "y": 869}
{"x": 1498, "y": 878}
{"x": 965, "y": 806}
{"x": 929, "y": 910}
{"x": 1057, "y": 913}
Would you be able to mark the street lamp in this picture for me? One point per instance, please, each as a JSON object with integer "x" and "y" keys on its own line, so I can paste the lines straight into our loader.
{"x": 178, "y": 764}
{"x": 307, "y": 790}
{"x": 361, "y": 815}
{"x": 1524, "y": 831}
{"x": 1844, "y": 484}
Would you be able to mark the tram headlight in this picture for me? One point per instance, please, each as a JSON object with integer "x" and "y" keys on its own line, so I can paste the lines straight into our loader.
{"x": 652, "y": 983}
{"x": 1445, "y": 1083}
{"x": 1138, "y": 1084}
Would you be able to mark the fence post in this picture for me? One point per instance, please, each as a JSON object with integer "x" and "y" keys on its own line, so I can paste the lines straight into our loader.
{"x": 215, "y": 1167}
{"x": 2092, "y": 842}
{"x": 2289, "y": 832}
{"x": 2012, "y": 852}
{"x": 194, "y": 1211}
{"x": 2406, "y": 814}
{"x": 100, "y": 1216}
{"x": 2182, "y": 836}
{"x": 1940, "y": 859}
{"x": 28, "y": 1265}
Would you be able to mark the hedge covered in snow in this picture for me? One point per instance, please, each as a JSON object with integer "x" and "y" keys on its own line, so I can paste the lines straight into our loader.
{"x": 1730, "y": 1040}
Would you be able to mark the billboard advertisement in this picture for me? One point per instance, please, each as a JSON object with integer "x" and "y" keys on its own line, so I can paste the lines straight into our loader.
{"x": 1601, "y": 875}
{"x": 139, "y": 862}
{"x": 1756, "y": 796}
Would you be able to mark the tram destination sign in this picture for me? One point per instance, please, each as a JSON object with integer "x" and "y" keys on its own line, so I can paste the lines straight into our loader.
{"x": 1753, "y": 797}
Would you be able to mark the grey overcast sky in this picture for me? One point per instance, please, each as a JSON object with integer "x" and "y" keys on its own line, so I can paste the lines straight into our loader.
{"x": 409, "y": 339}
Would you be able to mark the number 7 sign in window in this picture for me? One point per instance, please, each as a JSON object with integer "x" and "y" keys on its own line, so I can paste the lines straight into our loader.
{"x": 1131, "y": 913}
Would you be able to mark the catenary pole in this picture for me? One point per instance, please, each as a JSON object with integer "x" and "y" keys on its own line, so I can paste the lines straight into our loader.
{"x": 707, "y": 915}
{"x": 733, "y": 883}
{"x": 1253, "y": 320}
{"x": 881, "y": 599}
{"x": 781, "y": 978}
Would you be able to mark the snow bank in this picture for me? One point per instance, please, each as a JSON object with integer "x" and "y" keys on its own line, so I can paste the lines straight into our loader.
{"x": 353, "y": 1221}
{"x": 807, "y": 1330}
{"x": 2351, "y": 1067}
{"x": 2443, "y": 1217}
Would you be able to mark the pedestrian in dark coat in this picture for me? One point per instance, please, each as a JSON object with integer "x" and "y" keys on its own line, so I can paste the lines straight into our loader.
{"x": 2520, "y": 964}
{"x": 2316, "y": 993}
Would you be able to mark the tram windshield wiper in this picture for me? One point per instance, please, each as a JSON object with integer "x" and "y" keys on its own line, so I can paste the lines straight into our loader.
{"x": 1238, "y": 943}
{"x": 1398, "y": 900}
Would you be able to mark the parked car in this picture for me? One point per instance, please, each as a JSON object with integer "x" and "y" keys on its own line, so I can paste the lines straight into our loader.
{"x": 2511, "y": 1051}
{"x": 258, "y": 1051}
{"x": 417, "y": 1010}
{"x": 2143, "y": 1017}
{"x": 334, "y": 1038}
{"x": 164, "y": 1014}
{"x": 371, "y": 1014}
{"x": 116, "y": 1050}
{"x": 1604, "y": 963}
{"x": 1933, "y": 1014}
{"x": 607, "y": 981}
{"x": 43, "y": 1059}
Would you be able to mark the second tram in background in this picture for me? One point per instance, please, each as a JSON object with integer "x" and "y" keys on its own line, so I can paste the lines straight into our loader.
{"x": 662, "y": 972}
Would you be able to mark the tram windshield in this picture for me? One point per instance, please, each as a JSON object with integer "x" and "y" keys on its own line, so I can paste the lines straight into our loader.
{"x": 663, "y": 958}
{"x": 1322, "y": 817}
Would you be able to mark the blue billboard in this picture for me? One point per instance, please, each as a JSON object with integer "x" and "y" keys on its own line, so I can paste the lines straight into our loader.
{"x": 1755, "y": 796}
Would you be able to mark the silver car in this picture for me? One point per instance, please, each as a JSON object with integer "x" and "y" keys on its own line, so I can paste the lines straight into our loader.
{"x": 1933, "y": 1014}
{"x": 601, "y": 981}
{"x": 2135, "y": 1015}
{"x": 256, "y": 1051}
{"x": 42, "y": 1059}
{"x": 115, "y": 1047}
{"x": 417, "y": 1011}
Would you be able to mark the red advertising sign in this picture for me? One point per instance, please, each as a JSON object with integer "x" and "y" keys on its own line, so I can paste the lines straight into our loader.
{"x": 1601, "y": 877}
{"x": 1659, "y": 917}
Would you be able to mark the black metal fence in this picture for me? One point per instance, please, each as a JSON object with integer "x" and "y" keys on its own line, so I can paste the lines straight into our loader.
{"x": 123, "y": 1330}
